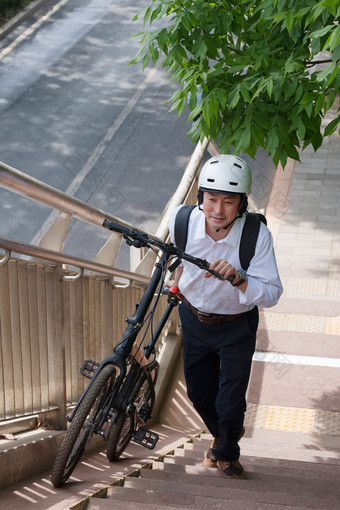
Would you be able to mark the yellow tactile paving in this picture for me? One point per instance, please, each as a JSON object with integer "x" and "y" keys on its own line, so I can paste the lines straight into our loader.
{"x": 333, "y": 326}
{"x": 290, "y": 419}
{"x": 293, "y": 419}
{"x": 299, "y": 323}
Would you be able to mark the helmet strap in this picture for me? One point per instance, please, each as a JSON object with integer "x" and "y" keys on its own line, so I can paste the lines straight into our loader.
{"x": 242, "y": 209}
{"x": 227, "y": 226}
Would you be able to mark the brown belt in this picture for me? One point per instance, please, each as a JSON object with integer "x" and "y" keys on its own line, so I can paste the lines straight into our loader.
{"x": 212, "y": 318}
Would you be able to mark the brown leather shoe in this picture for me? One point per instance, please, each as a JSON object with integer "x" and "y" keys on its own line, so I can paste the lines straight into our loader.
{"x": 209, "y": 460}
{"x": 232, "y": 470}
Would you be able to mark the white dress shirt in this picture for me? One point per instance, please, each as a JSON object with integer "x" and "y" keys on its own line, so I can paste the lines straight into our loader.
{"x": 211, "y": 295}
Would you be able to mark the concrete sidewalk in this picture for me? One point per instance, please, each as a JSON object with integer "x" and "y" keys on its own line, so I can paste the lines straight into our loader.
{"x": 298, "y": 388}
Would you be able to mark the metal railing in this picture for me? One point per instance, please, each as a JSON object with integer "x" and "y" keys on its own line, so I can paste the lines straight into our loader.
{"x": 51, "y": 318}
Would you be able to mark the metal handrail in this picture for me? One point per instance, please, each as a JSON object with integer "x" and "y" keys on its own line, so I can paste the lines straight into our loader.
{"x": 29, "y": 187}
{"x": 61, "y": 258}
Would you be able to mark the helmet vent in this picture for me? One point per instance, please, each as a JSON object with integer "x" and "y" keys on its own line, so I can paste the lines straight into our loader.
{"x": 238, "y": 166}
{"x": 233, "y": 183}
{"x": 211, "y": 180}
{"x": 214, "y": 162}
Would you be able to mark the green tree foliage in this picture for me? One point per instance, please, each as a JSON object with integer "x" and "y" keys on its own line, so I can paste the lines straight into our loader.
{"x": 8, "y": 8}
{"x": 254, "y": 64}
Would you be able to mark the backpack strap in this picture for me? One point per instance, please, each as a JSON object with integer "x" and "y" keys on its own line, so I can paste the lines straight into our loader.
{"x": 249, "y": 236}
{"x": 181, "y": 226}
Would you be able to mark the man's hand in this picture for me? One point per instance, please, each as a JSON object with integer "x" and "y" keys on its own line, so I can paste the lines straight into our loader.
{"x": 223, "y": 267}
{"x": 175, "y": 281}
{"x": 226, "y": 270}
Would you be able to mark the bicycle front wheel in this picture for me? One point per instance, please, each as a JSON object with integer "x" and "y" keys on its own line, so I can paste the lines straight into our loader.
{"x": 121, "y": 432}
{"x": 82, "y": 426}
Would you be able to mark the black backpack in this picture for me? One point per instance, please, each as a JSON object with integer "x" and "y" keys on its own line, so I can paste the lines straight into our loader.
{"x": 249, "y": 235}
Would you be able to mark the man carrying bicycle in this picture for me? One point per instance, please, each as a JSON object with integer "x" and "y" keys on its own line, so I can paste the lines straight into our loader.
{"x": 219, "y": 318}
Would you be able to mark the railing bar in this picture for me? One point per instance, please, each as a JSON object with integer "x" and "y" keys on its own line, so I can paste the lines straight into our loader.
{"x": 42, "y": 335}
{"x": 29, "y": 187}
{"x": 61, "y": 258}
{"x": 5, "y": 258}
{"x": 25, "y": 337}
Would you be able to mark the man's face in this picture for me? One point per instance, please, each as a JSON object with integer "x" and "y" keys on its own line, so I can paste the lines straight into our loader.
{"x": 219, "y": 209}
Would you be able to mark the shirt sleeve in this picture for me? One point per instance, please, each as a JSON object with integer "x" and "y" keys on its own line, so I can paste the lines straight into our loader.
{"x": 264, "y": 285}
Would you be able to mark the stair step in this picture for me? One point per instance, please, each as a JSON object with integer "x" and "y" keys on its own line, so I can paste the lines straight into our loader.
{"x": 160, "y": 498}
{"x": 296, "y": 439}
{"x": 271, "y": 465}
{"x": 289, "y": 453}
{"x": 292, "y": 440}
{"x": 237, "y": 493}
{"x": 254, "y": 472}
{"x": 317, "y": 488}
{"x": 102, "y": 504}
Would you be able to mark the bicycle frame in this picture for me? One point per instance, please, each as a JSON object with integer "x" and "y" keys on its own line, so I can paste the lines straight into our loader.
{"x": 115, "y": 404}
{"x": 135, "y": 322}
{"x": 123, "y": 349}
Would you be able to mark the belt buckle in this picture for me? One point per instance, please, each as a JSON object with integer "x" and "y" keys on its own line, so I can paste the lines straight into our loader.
{"x": 201, "y": 316}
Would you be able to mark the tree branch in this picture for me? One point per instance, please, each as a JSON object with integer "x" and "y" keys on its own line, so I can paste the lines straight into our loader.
{"x": 316, "y": 62}
{"x": 235, "y": 50}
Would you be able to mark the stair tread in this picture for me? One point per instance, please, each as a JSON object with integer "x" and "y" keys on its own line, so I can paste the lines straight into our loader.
{"x": 293, "y": 454}
{"x": 98, "y": 503}
{"x": 262, "y": 464}
{"x": 227, "y": 493}
{"x": 314, "y": 487}
{"x": 192, "y": 501}
{"x": 329, "y": 446}
{"x": 256, "y": 472}
{"x": 282, "y": 436}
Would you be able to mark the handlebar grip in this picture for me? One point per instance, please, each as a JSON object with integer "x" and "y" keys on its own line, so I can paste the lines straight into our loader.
{"x": 230, "y": 278}
{"x": 214, "y": 273}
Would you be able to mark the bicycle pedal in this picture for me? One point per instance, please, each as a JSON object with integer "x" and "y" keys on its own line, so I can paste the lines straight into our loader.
{"x": 146, "y": 438}
{"x": 89, "y": 367}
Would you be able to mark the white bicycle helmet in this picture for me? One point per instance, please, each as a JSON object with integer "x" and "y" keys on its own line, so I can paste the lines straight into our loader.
{"x": 225, "y": 174}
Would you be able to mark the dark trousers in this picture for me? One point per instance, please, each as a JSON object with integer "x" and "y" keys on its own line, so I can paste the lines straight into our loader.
{"x": 217, "y": 364}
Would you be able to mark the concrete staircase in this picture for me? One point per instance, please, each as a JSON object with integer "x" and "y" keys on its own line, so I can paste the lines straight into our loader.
{"x": 285, "y": 470}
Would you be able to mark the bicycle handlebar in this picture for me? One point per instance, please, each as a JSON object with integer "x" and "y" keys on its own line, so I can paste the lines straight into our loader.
{"x": 140, "y": 239}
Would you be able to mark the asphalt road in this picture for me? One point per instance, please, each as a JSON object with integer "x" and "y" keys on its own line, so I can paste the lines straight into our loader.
{"x": 75, "y": 115}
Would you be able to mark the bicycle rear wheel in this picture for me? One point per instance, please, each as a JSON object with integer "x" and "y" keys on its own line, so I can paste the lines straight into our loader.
{"x": 121, "y": 432}
{"x": 82, "y": 426}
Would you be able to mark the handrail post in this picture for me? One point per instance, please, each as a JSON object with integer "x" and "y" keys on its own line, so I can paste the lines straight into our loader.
{"x": 56, "y": 345}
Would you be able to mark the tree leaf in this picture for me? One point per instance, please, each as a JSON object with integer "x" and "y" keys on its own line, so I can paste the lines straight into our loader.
{"x": 329, "y": 101}
{"x": 214, "y": 104}
{"x": 234, "y": 98}
{"x": 331, "y": 127}
{"x": 319, "y": 103}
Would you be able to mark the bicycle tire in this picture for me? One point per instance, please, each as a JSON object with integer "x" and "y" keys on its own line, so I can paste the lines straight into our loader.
{"x": 82, "y": 426}
{"x": 121, "y": 432}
